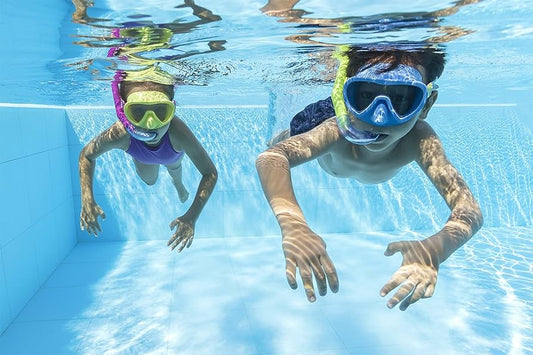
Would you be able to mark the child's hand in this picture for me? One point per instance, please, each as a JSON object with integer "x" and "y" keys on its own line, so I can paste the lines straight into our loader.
{"x": 305, "y": 250}
{"x": 184, "y": 233}
{"x": 417, "y": 275}
{"x": 89, "y": 218}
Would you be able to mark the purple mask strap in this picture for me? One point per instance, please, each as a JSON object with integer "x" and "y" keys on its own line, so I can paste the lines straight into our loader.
{"x": 119, "y": 107}
{"x": 113, "y": 51}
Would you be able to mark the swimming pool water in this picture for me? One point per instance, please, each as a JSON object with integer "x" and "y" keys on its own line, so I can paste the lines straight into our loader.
{"x": 62, "y": 291}
{"x": 229, "y": 296}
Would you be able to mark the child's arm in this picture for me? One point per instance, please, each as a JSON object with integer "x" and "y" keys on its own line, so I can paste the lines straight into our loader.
{"x": 303, "y": 249}
{"x": 180, "y": 133}
{"x": 422, "y": 258}
{"x": 113, "y": 137}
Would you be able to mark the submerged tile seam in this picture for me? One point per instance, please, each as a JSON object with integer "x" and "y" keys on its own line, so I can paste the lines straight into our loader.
{"x": 476, "y": 105}
{"x": 76, "y": 107}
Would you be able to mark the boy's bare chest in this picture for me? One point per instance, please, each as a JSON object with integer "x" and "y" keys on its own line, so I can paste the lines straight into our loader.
{"x": 366, "y": 168}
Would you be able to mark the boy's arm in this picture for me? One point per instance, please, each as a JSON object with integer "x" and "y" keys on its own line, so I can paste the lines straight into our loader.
{"x": 113, "y": 137}
{"x": 421, "y": 259}
{"x": 303, "y": 249}
{"x": 179, "y": 132}
{"x": 465, "y": 218}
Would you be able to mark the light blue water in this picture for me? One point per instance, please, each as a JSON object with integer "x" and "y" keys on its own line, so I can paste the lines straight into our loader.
{"x": 62, "y": 291}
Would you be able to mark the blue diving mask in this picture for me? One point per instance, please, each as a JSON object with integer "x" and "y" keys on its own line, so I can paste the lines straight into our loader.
{"x": 386, "y": 98}
{"x": 377, "y": 97}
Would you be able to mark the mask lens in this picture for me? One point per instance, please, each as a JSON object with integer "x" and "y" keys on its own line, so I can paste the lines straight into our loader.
{"x": 404, "y": 98}
{"x": 162, "y": 111}
{"x": 136, "y": 112}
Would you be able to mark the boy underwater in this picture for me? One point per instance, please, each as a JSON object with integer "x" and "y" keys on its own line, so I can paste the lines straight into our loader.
{"x": 372, "y": 126}
{"x": 149, "y": 131}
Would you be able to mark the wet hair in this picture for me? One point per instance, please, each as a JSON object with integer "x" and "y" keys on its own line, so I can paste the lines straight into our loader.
{"x": 127, "y": 87}
{"x": 430, "y": 58}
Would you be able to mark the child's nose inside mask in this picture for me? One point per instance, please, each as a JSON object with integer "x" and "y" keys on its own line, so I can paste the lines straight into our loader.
{"x": 149, "y": 109}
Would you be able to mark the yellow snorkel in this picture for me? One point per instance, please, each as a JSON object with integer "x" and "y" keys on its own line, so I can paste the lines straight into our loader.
{"x": 344, "y": 120}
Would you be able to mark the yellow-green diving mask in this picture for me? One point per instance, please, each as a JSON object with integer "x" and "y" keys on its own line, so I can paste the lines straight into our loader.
{"x": 149, "y": 109}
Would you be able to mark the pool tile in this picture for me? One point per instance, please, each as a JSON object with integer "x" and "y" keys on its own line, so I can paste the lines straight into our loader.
{"x": 79, "y": 274}
{"x": 95, "y": 252}
{"x": 42, "y": 235}
{"x": 34, "y": 124}
{"x": 43, "y": 337}
{"x": 247, "y": 214}
{"x": 13, "y": 191}
{"x": 11, "y": 142}
{"x": 39, "y": 186}
{"x": 5, "y": 317}
{"x": 371, "y": 325}
{"x": 125, "y": 334}
{"x": 259, "y": 269}
{"x": 21, "y": 271}
{"x": 280, "y": 327}
{"x": 204, "y": 277}
{"x": 65, "y": 231}
{"x": 62, "y": 303}
{"x": 60, "y": 179}
{"x": 223, "y": 331}
{"x": 56, "y": 129}
{"x": 211, "y": 221}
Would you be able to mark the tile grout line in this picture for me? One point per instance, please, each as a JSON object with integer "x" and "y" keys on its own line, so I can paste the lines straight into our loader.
{"x": 88, "y": 107}
{"x": 96, "y": 107}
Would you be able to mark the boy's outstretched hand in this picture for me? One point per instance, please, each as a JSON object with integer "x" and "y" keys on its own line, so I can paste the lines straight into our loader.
{"x": 184, "y": 233}
{"x": 89, "y": 218}
{"x": 306, "y": 251}
{"x": 417, "y": 275}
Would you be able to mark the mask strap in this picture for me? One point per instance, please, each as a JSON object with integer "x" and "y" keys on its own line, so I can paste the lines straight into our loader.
{"x": 119, "y": 107}
{"x": 432, "y": 87}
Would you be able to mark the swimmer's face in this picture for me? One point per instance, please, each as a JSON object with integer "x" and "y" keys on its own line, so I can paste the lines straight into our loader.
{"x": 401, "y": 97}
{"x": 150, "y": 112}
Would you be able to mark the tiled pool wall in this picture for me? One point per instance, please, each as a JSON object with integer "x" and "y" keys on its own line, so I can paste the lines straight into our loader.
{"x": 41, "y": 196}
{"x": 37, "y": 214}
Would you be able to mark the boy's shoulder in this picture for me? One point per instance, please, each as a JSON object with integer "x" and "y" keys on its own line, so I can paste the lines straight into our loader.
{"x": 421, "y": 130}
{"x": 421, "y": 139}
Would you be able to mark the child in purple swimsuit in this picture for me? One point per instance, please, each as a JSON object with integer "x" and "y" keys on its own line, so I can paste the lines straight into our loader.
{"x": 148, "y": 131}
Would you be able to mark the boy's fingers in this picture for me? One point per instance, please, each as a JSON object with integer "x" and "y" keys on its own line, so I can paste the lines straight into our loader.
{"x": 290, "y": 271}
{"x": 331, "y": 273}
{"x": 320, "y": 278}
{"x": 417, "y": 294}
{"x": 393, "y": 248}
{"x": 404, "y": 290}
{"x": 429, "y": 291}
{"x": 395, "y": 280}
{"x": 174, "y": 244}
{"x": 407, "y": 302}
{"x": 171, "y": 240}
{"x": 173, "y": 224}
{"x": 305, "y": 274}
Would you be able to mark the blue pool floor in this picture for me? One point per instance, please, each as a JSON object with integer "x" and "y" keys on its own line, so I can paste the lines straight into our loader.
{"x": 230, "y": 296}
